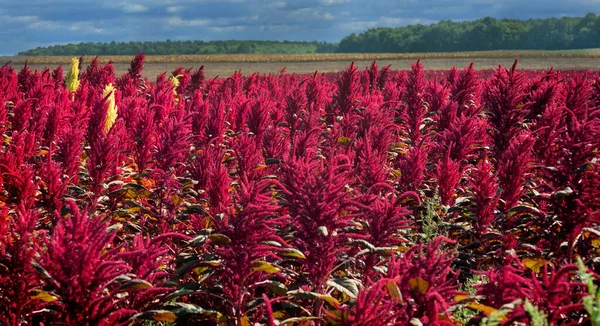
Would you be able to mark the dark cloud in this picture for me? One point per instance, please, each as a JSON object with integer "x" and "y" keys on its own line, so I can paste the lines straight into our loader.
{"x": 29, "y": 23}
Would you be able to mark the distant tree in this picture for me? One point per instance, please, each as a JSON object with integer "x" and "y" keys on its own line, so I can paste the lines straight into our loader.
{"x": 482, "y": 34}
{"x": 184, "y": 47}
{"x": 246, "y": 48}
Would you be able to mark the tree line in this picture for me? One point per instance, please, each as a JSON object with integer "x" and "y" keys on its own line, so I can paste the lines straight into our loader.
{"x": 479, "y": 35}
{"x": 184, "y": 47}
{"x": 446, "y": 36}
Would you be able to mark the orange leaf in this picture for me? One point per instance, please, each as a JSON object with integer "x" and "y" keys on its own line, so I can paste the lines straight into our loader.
{"x": 487, "y": 310}
{"x": 394, "y": 291}
{"x": 535, "y": 264}
{"x": 418, "y": 285}
{"x": 164, "y": 316}
{"x": 42, "y": 295}
{"x": 461, "y": 297}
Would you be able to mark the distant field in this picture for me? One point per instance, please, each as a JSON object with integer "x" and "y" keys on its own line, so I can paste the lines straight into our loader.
{"x": 224, "y": 65}
{"x": 584, "y": 53}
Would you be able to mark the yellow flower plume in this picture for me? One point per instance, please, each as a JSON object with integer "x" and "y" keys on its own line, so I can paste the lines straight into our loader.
{"x": 73, "y": 76}
{"x": 111, "y": 114}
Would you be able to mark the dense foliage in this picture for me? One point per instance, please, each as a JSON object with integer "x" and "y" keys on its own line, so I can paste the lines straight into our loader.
{"x": 184, "y": 47}
{"x": 445, "y": 36}
{"x": 482, "y": 34}
{"x": 365, "y": 197}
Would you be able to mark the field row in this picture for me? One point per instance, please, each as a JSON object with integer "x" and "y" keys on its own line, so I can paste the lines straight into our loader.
{"x": 345, "y": 57}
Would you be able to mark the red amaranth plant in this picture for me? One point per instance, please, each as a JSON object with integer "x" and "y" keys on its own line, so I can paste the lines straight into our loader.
{"x": 20, "y": 293}
{"x": 212, "y": 176}
{"x": 347, "y": 93}
{"x": 466, "y": 92}
{"x": 383, "y": 215}
{"x": 427, "y": 282}
{"x": 376, "y": 305}
{"x": 514, "y": 166}
{"x": 553, "y": 291}
{"x": 130, "y": 83}
{"x": 448, "y": 177}
{"x": 79, "y": 268}
{"x": 412, "y": 168}
{"x": 315, "y": 196}
{"x": 484, "y": 185}
{"x": 504, "y": 98}
{"x": 416, "y": 107}
{"x": 240, "y": 250}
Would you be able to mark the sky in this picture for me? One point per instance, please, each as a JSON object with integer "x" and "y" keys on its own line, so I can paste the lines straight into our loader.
{"x": 26, "y": 24}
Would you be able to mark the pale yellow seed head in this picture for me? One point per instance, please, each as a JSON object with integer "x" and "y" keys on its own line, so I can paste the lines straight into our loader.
{"x": 175, "y": 82}
{"x": 73, "y": 76}
{"x": 111, "y": 114}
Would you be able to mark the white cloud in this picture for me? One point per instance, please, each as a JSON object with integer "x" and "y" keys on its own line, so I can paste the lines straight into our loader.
{"x": 45, "y": 24}
{"x": 34, "y": 22}
{"x": 85, "y": 27}
{"x": 278, "y": 28}
{"x": 277, "y": 4}
{"x": 174, "y": 9}
{"x": 133, "y": 8}
{"x": 357, "y": 26}
{"x": 307, "y": 14}
{"x": 395, "y": 21}
{"x": 20, "y": 19}
{"x": 334, "y": 2}
{"x": 226, "y": 29}
{"x": 361, "y": 26}
{"x": 178, "y": 22}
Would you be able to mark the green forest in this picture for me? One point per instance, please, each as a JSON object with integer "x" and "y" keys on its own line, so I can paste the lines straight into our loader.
{"x": 445, "y": 36}
{"x": 184, "y": 47}
{"x": 480, "y": 35}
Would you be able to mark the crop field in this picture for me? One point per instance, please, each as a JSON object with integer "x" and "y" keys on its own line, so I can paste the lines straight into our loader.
{"x": 227, "y": 64}
{"x": 345, "y": 57}
{"x": 368, "y": 196}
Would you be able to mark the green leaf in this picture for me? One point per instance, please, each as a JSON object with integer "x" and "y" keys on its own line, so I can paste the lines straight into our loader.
{"x": 538, "y": 318}
{"x": 363, "y": 243}
{"x": 114, "y": 228}
{"x": 348, "y": 286}
{"x": 188, "y": 308}
{"x": 272, "y": 160}
{"x": 560, "y": 195}
{"x": 264, "y": 266}
{"x": 274, "y": 286}
{"x": 132, "y": 191}
{"x": 136, "y": 285}
{"x": 313, "y": 295}
{"x": 497, "y": 317}
{"x": 295, "y": 320}
{"x": 198, "y": 241}
{"x": 591, "y": 302}
{"x": 522, "y": 209}
{"x": 272, "y": 243}
{"x": 40, "y": 270}
{"x": 198, "y": 263}
{"x": 219, "y": 239}
{"x": 291, "y": 252}
{"x": 157, "y": 315}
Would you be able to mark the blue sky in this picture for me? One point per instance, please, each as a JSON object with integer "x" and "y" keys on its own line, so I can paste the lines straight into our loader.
{"x": 26, "y": 24}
